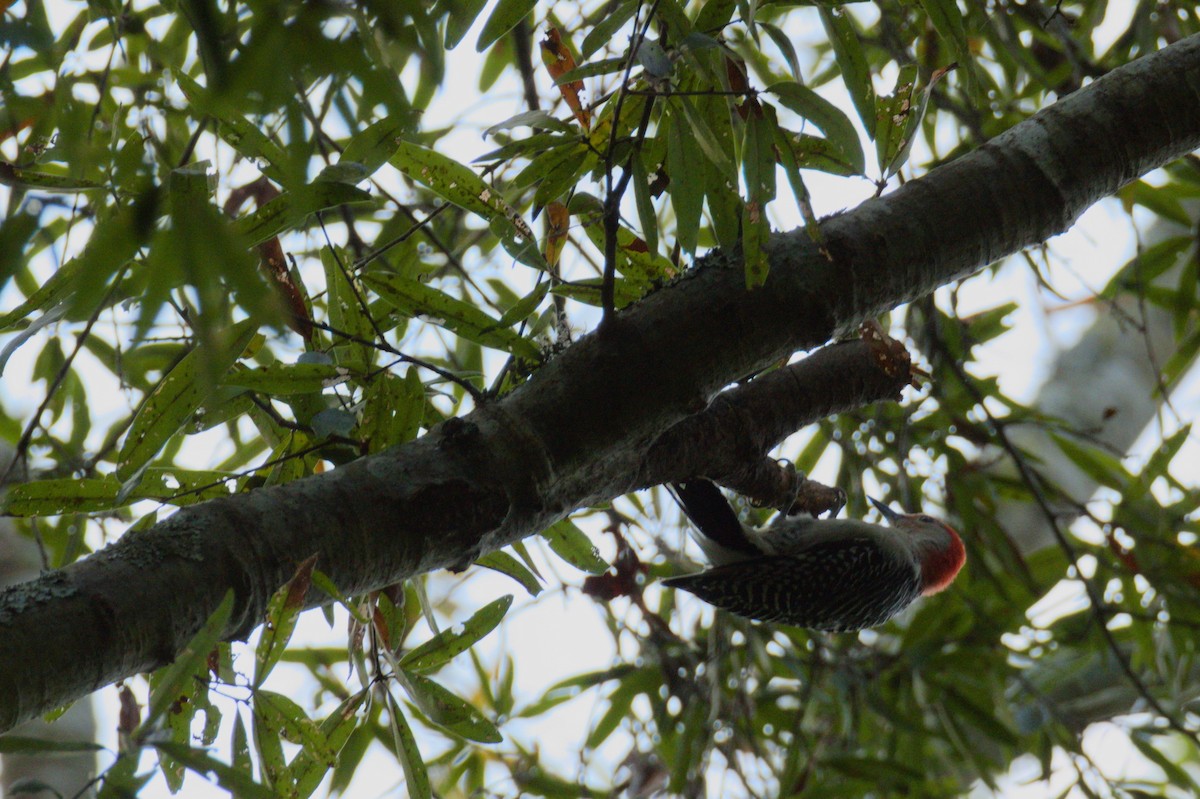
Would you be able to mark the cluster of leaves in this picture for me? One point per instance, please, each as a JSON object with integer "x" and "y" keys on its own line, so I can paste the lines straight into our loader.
{"x": 694, "y": 109}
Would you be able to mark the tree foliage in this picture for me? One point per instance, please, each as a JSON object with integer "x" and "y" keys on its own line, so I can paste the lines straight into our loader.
{"x": 237, "y": 253}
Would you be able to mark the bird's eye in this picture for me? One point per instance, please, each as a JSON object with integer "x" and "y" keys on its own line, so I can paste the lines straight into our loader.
{"x": 923, "y": 519}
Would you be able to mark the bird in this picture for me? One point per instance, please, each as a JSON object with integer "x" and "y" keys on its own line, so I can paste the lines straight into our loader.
{"x": 834, "y": 575}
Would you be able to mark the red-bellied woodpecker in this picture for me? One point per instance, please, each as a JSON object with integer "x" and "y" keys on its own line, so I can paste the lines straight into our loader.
{"x": 837, "y": 575}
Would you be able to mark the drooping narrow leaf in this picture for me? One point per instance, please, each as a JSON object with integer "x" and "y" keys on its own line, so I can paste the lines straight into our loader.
{"x": 238, "y": 782}
{"x": 448, "y": 643}
{"x": 375, "y": 144}
{"x": 287, "y": 378}
{"x": 450, "y": 711}
{"x": 572, "y": 545}
{"x": 647, "y": 215}
{"x": 685, "y": 188}
{"x": 417, "y": 299}
{"x": 836, "y": 126}
{"x": 848, "y": 50}
{"x": 283, "y": 610}
{"x": 176, "y": 397}
{"x": 416, "y": 776}
{"x": 706, "y": 139}
{"x": 899, "y": 118}
{"x": 507, "y": 564}
{"x": 755, "y": 234}
{"x": 183, "y": 670}
{"x": 310, "y": 766}
{"x": 504, "y": 17}
{"x": 784, "y": 43}
{"x": 948, "y": 20}
{"x": 290, "y": 208}
{"x": 462, "y": 14}
{"x": 238, "y": 133}
{"x": 460, "y": 185}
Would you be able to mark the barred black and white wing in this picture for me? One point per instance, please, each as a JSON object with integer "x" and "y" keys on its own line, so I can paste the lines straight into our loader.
{"x": 837, "y": 585}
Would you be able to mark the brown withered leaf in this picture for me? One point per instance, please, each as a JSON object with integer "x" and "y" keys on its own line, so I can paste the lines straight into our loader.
{"x": 559, "y": 61}
{"x": 558, "y": 219}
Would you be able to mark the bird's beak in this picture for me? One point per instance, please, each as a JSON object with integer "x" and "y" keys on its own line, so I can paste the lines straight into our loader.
{"x": 887, "y": 512}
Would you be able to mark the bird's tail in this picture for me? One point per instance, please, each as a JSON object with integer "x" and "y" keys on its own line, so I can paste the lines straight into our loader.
{"x": 714, "y": 518}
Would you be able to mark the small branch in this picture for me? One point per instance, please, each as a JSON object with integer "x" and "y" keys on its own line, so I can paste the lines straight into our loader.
{"x": 729, "y": 440}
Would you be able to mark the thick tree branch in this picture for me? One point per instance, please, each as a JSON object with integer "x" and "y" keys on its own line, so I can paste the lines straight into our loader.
{"x": 578, "y": 431}
{"x": 728, "y": 441}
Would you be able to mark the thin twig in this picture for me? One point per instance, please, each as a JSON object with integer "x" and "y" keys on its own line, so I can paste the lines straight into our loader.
{"x": 475, "y": 393}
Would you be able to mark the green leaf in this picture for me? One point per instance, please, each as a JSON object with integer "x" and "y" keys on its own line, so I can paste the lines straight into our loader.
{"x": 281, "y": 716}
{"x": 685, "y": 188}
{"x": 1147, "y": 265}
{"x": 631, "y": 685}
{"x": 1176, "y": 774}
{"x": 950, "y": 24}
{"x": 786, "y": 48}
{"x": 288, "y": 378}
{"x": 838, "y": 129}
{"x": 448, "y": 643}
{"x": 375, "y": 144}
{"x": 758, "y": 156}
{"x": 239, "y": 783}
{"x": 451, "y": 712}
{"x": 283, "y": 609}
{"x": 248, "y": 139}
{"x": 987, "y": 325}
{"x": 897, "y": 120}
{"x": 290, "y": 209}
{"x": 537, "y": 119}
{"x": 455, "y": 182}
{"x": 23, "y": 745}
{"x": 61, "y": 495}
{"x": 460, "y": 185}
{"x": 588, "y": 291}
{"x": 852, "y": 61}
{"x": 525, "y": 307}
{"x": 1103, "y": 467}
{"x": 310, "y": 766}
{"x": 714, "y": 15}
{"x": 175, "y": 681}
{"x": 416, "y": 777}
{"x": 706, "y": 139}
{"x": 461, "y": 15}
{"x": 507, "y": 564}
{"x": 755, "y": 235}
{"x": 416, "y": 299}
{"x": 605, "y": 66}
{"x": 604, "y": 30}
{"x": 176, "y": 397}
{"x": 15, "y": 176}
{"x": 504, "y": 17}
{"x": 978, "y": 714}
{"x": 572, "y": 545}
{"x": 647, "y": 214}
{"x": 268, "y": 744}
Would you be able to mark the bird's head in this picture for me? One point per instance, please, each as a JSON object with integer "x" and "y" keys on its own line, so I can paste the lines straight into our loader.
{"x": 938, "y": 546}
